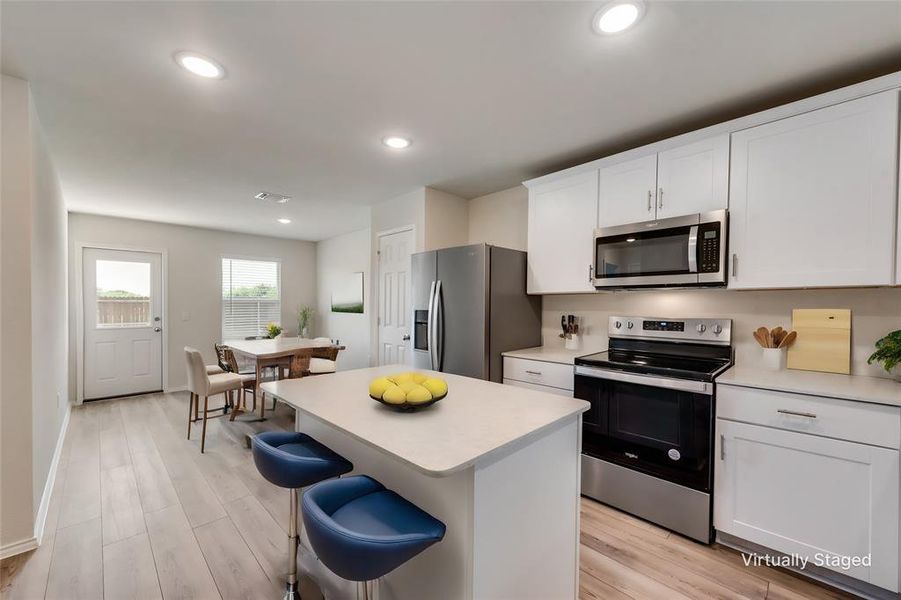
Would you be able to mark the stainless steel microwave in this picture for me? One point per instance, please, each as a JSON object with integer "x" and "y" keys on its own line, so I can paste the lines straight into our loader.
{"x": 679, "y": 251}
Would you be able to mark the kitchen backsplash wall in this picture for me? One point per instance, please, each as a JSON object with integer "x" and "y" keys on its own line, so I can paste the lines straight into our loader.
{"x": 874, "y": 313}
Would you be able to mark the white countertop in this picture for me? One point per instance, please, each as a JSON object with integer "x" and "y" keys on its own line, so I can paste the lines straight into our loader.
{"x": 876, "y": 390}
{"x": 477, "y": 418}
{"x": 552, "y": 354}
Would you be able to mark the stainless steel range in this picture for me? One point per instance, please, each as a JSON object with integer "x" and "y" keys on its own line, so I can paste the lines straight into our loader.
{"x": 647, "y": 441}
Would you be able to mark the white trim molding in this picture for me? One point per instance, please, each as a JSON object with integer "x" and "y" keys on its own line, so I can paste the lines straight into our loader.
{"x": 18, "y": 547}
{"x": 41, "y": 518}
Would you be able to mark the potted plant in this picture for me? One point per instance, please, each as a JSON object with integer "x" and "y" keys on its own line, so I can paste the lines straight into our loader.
{"x": 888, "y": 353}
{"x": 274, "y": 330}
{"x": 304, "y": 319}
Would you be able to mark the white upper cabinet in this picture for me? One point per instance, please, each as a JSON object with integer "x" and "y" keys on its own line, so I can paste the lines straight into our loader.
{"x": 682, "y": 181}
{"x": 693, "y": 178}
{"x": 628, "y": 192}
{"x": 813, "y": 198}
{"x": 562, "y": 217}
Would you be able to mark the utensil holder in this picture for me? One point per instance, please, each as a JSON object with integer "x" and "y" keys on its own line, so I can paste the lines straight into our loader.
{"x": 774, "y": 358}
{"x": 573, "y": 342}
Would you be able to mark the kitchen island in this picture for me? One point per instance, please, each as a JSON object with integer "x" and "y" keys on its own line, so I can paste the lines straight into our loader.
{"x": 498, "y": 464}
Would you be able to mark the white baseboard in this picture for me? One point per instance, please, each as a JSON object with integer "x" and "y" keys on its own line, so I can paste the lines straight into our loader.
{"x": 18, "y": 547}
{"x": 180, "y": 388}
{"x": 41, "y": 518}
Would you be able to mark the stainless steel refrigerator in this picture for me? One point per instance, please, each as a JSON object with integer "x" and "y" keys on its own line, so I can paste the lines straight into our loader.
{"x": 469, "y": 305}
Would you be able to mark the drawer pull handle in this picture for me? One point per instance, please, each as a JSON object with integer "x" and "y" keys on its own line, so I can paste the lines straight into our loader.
{"x": 534, "y": 372}
{"x": 796, "y": 414}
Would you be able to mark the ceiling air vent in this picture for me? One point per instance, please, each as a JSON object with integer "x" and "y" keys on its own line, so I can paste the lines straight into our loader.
{"x": 270, "y": 197}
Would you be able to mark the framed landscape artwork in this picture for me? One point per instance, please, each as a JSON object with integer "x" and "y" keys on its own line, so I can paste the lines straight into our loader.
{"x": 347, "y": 296}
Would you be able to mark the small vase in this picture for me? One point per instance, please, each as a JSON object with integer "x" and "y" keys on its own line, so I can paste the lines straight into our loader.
{"x": 774, "y": 359}
{"x": 304, "y": 332}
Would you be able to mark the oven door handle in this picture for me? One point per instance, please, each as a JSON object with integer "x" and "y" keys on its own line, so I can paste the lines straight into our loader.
{"x": 693, "y": 249}
{"x": 686, "y": 385}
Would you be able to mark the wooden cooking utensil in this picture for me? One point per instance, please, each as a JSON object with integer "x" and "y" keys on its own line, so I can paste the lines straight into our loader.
{"x": 788, "y": 339}
{"x": 764, "y": 334}
{"x": 777, "y": 334}
{"x": 759, "y": 339}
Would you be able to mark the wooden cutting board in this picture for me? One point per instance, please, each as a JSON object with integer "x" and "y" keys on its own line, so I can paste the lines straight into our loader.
{"x": 824, "y": 340}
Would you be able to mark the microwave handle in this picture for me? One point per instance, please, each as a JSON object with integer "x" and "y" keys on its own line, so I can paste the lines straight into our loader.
{"x": 693, "y": 249}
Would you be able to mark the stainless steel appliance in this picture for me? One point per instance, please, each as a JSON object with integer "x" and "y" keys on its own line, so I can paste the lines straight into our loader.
{"x": 680, "y": 251}
{"x": 647, "y": 440}
{"x": 469, "y": 305}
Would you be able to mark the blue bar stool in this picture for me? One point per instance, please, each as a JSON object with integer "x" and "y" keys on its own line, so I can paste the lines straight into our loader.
{"x": 362, "y": 531}
{"x": 295, "y": 460}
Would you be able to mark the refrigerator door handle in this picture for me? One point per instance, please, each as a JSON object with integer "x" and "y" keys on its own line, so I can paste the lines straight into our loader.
{"x": 430, "y": 326}
{"x": 439, "y": 329}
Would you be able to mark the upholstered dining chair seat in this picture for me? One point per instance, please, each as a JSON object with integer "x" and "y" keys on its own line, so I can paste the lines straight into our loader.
{"x": 214, "y": 370}
{"x": 322, "y": 365}
{"x": 223, "y": 382}
{"x": 362, "y": 531}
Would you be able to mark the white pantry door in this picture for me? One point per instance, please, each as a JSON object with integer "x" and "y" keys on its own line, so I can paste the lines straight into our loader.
{"x": 395, "y": 288}
{"x": 123, "y": 340}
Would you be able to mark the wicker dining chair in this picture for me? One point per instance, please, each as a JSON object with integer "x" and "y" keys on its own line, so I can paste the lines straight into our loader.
{"x": 229, "y": 364}
{"x": 323, "y": 360}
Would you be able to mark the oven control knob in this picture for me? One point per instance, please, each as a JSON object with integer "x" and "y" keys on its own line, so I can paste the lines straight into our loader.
{"x": 701, "y": 328}
{"x": 717, "y": 329}
{"x": 630, "y": 324}
{"x": 618, "y": 324}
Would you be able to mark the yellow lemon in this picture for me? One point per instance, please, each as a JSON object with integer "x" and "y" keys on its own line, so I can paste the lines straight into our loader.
{"x": 407, "y": 386}
{"x": 418, "y": 395}
{"x": 437, "y": 387}
{"x": 394, "y": 395}
{"x": 418, "y": 377}
{"x": 402, "y": 378}
{"x": 378, "y": 386}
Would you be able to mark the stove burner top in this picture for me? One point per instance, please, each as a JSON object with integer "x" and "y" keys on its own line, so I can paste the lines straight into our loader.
{"x": 646, "y": 363}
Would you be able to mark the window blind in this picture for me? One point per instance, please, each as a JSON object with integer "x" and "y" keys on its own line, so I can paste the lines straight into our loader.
{"x": 251, "y": 297}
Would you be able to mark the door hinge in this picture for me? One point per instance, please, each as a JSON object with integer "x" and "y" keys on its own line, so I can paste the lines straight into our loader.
{"x": 722, "y": 447}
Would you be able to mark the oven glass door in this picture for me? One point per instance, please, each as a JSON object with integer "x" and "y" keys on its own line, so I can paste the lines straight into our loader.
{"x": 662, "y": 432}
{"x": 642, "y": 254}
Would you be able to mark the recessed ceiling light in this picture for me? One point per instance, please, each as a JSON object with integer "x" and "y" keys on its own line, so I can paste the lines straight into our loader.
{"x": 395, "y": 142}
{"x": 200, "y": 65}
{"x": 618, "y": 16}
{"x": 273, "y": 197}
{"x": 284, "y": 221}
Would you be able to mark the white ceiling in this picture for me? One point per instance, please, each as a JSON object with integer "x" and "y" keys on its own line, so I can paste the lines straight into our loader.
{"x": 492, "y": 93}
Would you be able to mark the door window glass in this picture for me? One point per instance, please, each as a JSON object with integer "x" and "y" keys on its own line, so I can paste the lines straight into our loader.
{"x": 123, "y": 294}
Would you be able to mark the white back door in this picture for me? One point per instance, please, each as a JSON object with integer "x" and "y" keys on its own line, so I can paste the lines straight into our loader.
{"x": 123, "y": 347}
{"x": 395, "y": 287}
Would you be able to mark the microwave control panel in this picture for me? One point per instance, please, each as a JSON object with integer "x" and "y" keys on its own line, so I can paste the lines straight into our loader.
{"x": 709, "y": 247}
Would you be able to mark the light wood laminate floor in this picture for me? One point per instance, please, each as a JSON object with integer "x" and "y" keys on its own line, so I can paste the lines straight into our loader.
{"x": 138, "y": 512}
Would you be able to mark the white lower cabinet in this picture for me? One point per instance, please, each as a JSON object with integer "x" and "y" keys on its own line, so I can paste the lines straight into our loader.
{"x": 810, "y": 495}
{"x": 543, "y": 376}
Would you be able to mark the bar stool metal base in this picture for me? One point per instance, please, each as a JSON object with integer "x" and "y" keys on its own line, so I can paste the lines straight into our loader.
{"x": 291, "y": 591}
{"x": 368, "y": 590}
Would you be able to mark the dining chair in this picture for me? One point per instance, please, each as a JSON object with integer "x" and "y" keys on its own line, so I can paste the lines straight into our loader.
{"x": 229, "y": 363}
{"x": 202, "y": 384}
{"x": 323, "y": 361}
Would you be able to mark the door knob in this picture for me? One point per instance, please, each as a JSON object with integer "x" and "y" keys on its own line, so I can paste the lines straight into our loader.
{"x": 406, "y": 338}
{"x": 157, "y": 329}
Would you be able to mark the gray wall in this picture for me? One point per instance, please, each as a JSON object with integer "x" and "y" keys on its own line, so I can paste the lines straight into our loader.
{"x": 33, "y": 372}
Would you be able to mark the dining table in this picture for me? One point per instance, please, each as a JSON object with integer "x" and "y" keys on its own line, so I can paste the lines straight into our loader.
{"x": 275, "y": 352}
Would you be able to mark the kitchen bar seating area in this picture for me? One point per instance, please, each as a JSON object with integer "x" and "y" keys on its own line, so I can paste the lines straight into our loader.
{"x": 279, "y": 320}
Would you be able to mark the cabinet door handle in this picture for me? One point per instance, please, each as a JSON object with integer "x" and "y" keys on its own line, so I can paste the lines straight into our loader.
{"x": 650, "y": 204}
{"x": 722, "y": 446}
{"x": 534, "y": 372}
{"x": 660, "y": 198}
{"x": 796, "y": 414}
{"x": 734, "y": 265}
{"x": 591, "y": 274}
